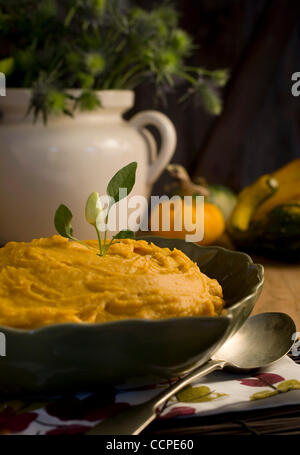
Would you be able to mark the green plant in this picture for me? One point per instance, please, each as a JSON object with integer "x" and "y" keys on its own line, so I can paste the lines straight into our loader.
{"x": 94, "y": 213}
{"x": 52, "y": 45}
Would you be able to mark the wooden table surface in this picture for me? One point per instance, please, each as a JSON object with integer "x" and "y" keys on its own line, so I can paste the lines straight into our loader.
{"x": 281, "y": 291}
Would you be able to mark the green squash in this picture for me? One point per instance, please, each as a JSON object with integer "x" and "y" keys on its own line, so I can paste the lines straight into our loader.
{"x": 223, "y": 197}
{"x": 276, "y": 235}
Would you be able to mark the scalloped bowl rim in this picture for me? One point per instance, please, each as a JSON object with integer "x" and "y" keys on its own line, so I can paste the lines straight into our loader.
{"x": 95, "y": 326}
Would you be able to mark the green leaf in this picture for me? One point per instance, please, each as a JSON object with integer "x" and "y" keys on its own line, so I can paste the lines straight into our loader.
{"x": 263, "y": 394}
{"x": 69, "y": 16}
{"x": 62, "y": 221}
{"x": 124, "y": 178}
{"x": 56, "y": 101}
{"x": 189, "y": 394}
{"x": 86, "y": 80}
{"x": 210, "y": 98}
{"x": 198, "y": 394}
{"x": 124, "y": 234}
{"x": 291, "y": 384}
{"x": 220, "y": 77}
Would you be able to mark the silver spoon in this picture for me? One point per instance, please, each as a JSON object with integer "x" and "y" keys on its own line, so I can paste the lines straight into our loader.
{"x": 262, "y": 340}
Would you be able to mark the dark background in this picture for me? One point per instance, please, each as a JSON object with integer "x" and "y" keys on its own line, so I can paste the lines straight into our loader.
{"x": 259, "y": 128}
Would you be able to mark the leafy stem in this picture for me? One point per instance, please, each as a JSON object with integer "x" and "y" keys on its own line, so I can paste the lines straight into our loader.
{"x": 82, "y": 243}
{"x": 100, "y": 241}
{"x": 118, "y": 187}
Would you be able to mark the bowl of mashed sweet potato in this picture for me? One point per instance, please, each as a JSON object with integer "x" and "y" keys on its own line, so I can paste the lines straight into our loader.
{"x": 150, "y": 309}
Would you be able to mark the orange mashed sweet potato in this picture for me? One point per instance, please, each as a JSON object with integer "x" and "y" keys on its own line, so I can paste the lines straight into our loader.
{"x": 53, "y": 280}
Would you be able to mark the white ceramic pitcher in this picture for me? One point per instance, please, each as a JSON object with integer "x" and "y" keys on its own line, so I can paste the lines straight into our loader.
{"x": 63, "y": 162}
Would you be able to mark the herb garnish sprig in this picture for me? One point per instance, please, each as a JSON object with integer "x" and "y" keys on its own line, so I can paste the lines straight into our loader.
{"x": 118, "y": 187}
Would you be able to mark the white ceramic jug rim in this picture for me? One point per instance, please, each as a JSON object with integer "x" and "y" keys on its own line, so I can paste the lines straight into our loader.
{"x": 111, "y": 99}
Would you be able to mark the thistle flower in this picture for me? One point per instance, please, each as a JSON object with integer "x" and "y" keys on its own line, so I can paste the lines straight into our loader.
{"x": 94, "y": 62}
{"x": 181, "y": 42}
{"x": 56, "y": 101}
{"x": 87, "y": 101}
{"x": 102, "y": 45}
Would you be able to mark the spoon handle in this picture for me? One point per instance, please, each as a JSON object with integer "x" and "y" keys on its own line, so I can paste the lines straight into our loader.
{"x": 134, "y": 419}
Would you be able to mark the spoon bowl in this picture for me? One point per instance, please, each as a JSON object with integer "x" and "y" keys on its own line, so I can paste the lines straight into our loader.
{"x": 262, "y": 340}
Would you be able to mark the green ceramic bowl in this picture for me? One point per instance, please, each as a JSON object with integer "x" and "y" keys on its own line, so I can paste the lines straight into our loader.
{"x": 80, "y": 357}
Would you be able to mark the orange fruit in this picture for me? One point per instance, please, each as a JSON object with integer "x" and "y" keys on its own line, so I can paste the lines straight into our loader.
{"x": 214, "y": 223}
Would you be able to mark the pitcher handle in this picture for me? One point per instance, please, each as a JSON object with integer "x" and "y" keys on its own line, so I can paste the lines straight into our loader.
{"x": 168, "y": 140}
